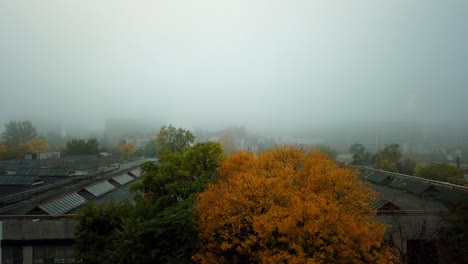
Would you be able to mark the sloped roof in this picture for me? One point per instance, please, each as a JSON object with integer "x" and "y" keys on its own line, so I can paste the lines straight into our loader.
{"x": 20, "y": 180}
{"x": 382, "y": 204}
{"x": 69, "y": 158}
{"x": 364, "y": 173}
{"x": 100, "y": 188}
{"x": 377, "y": 177}
{"x": 135, "y": 173}
{"x": 63, "y": 204}
{"x": 411, "y": 186}
{"x": 83, "y": 165}
{"x": 15, "y": 166}
{"x": 446, "y": 195}
{"x": 46, "y": 172}
{"x": 122, "y": 179}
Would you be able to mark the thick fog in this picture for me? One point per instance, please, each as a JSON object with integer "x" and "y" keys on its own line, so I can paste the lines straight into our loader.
{"x": 262, "y": 64}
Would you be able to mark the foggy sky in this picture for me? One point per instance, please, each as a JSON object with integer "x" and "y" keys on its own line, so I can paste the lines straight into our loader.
{"x": 256, "y": 63}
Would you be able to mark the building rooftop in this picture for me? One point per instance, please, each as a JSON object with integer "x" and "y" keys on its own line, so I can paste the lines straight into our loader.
{"x": 15, "y": 180}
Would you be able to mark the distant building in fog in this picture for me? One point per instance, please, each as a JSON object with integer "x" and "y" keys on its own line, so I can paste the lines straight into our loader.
{"x": 375, "y": 135}
{"x": 120, "y": 130}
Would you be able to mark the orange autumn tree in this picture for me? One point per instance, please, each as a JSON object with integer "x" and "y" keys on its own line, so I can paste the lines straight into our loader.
{"x": 288, "y": 206}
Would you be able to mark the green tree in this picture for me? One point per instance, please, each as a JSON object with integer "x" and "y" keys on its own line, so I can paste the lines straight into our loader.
{"x": 388, "y": 158}
{"x": 93, "y": 145}
{"x": 454, "y": 235}
{"x": 386, "y": 165}
{"x": 149, "y": 149}
{"x": 360, "y": 155}
{"x": 440, "y": 172}
{"x": 204, "y": 158}
{"x": 96, "y": 230}
{"x": 179, "y": 176}
{"x": 407, "y": 167}
{"x": 19, "y": 132}
{"x": 140, "y": 233}
{"x": 160, "y": 227}
{"x": 173, "y": 139}
{"x": 82, "y": 147}
{"x": 391, "y": 152}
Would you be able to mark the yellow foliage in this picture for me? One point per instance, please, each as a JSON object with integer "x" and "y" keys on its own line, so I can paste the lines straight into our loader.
{"x": 3, "y": 148}
{"x": 127, "y": 149}
{"x": 35, "y": 145}
{"x": 288, "y": 206}
{"x": 20, "y": 150}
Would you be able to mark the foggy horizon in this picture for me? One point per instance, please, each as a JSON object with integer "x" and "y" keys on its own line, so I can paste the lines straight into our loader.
{"x": 264, "y": 65}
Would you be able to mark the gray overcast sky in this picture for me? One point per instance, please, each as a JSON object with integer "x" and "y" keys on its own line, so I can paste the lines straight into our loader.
{"x": 258, "y": 63}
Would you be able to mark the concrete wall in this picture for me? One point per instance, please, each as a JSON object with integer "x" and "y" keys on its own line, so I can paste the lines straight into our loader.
{"x": 33, "y": 229}
{"x": 25, "y": 234}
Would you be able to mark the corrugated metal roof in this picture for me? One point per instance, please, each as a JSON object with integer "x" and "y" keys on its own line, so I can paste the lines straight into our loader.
{"x": 382, "y": 204}
{"x": 412, "y": 186}
{"x": 63, "y": 204}
{"x": 20, "y": 180}
{"x": 81, "y": 158}
{"x": 15, "y": 166}
{"x": 377, "y": 205}
{"x": 83, "y": 165}
{"x": 100, "y": 188}
{"x": 364, "y": 173}
{"x": 135, "y": 173}
{"x": 378, "y": 178}
{"x": 122, "y": 179}
{"x": 45, "y": 172}
{"x": 446, "y": 195}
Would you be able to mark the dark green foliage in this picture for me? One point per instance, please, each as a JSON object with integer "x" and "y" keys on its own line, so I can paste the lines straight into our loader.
{"x": 360, "y": 155}
{"x": 391, "y": 152}
{"x": 173, "y": 233}
{"x": 171, "y": 139}
{"x": 148, "y": 166}
{"x": 440, "y": 172}
{"x": 454, "y": 235}
{"x": 143, "y": 233}
{"x": 82, "y": 147}
{"x": 181, "y": 175}
{"x": 19, "y": 132}
{"x": 389, "y": 159}
{"x": 149, "y": 150}
{"x": 97, "y": 228}
{"x": 159, "y": 228}
{"x": 406, "y": 167}
{"x": 204, "y": 158}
